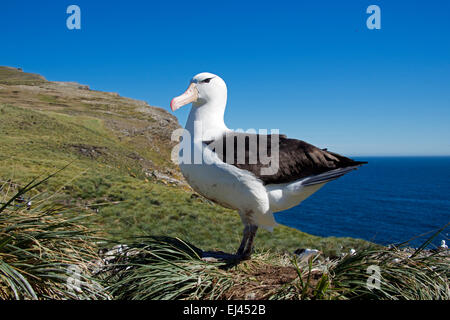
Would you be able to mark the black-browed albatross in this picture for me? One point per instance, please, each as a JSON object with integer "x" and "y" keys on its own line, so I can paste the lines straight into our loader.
{"x": 302, "y": 168}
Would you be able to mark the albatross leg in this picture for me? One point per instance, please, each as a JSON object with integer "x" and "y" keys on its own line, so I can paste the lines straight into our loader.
{"x": 244, "y": 240}
{"x": 248, "y": 248}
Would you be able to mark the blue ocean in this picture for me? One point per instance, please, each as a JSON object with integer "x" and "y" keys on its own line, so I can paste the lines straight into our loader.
{"x": 389, "y": 200}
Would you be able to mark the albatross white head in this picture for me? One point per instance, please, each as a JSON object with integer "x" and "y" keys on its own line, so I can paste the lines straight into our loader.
{"x": 208, "y": 94}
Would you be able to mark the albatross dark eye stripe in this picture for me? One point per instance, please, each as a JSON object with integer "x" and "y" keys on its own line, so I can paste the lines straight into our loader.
{"x": 206, "y": 80}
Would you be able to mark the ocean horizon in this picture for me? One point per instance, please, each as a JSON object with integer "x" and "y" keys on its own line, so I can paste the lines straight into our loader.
{"x": 390, "y": 200}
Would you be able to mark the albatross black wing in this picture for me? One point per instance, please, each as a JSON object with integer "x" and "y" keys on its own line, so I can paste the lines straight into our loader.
{"x": 297, "y": 159}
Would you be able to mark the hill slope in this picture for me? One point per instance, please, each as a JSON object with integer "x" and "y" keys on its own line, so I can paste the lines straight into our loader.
{"x": 119, "y": 155}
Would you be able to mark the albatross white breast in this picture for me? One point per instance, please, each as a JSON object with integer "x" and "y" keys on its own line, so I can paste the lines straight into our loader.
{"x": 222, "y": 176}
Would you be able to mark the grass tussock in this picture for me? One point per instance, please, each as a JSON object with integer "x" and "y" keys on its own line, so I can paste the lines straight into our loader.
{"x": 167, "y": 268}
{"x": 46, "y": 251}
{"x": 420, "y": 275}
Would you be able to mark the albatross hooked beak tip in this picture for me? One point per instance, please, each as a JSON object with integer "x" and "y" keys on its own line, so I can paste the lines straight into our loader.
{"x": 172, "y": 103}
{"x": 190, "y": 95}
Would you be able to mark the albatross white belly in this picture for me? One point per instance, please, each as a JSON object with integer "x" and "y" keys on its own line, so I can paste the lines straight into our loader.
{"x": 288, "y": 195}
{"x": 230, "y": 187}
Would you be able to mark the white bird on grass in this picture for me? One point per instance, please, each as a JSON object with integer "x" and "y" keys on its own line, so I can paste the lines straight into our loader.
{"x": 247, "y": 187}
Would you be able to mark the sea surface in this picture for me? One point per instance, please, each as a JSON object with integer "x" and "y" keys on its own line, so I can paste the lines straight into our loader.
{"x": 389, "y": 200}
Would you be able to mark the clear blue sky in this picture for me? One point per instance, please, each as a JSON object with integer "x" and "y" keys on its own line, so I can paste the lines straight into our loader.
{"x": 310, "y": 68}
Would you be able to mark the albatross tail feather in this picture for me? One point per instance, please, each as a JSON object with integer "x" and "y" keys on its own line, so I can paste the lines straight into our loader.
{"x": 329, "y": 175}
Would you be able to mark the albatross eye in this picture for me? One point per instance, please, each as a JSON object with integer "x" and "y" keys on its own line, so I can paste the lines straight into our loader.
{"x": 206, "y": 80}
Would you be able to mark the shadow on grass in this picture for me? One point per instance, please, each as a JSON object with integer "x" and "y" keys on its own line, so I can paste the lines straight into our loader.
{"x": 148, "y": 249}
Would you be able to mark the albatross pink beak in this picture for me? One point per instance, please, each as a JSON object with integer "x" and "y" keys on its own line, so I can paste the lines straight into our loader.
{"x": 191, "y": 95}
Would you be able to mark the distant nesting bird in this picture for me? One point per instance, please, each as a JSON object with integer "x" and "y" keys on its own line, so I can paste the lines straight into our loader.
{"x": 247, "y": 187}
{"x": 304, "y": 254}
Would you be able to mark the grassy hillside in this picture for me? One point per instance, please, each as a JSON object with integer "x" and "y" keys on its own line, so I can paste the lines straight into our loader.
{"x": 118, "y": 151}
